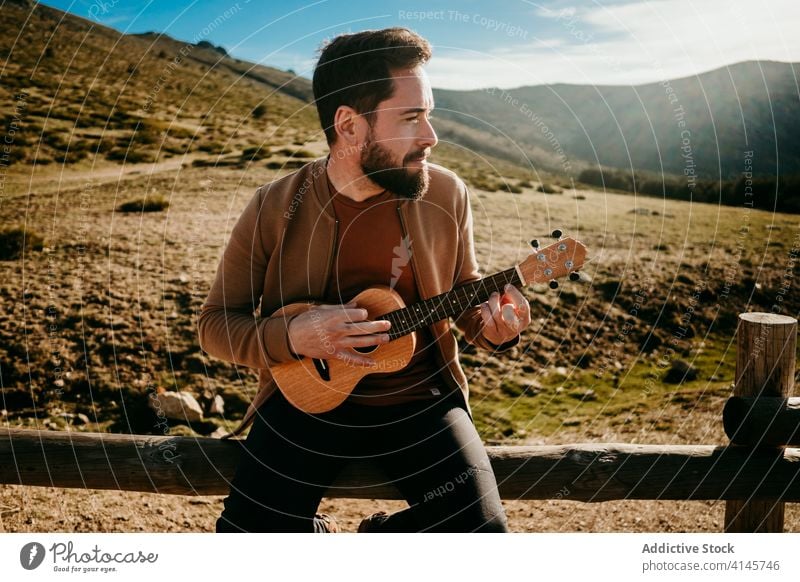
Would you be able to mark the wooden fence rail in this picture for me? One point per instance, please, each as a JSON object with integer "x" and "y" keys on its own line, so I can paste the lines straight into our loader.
{"x": 581, "y": 472}
{"x": 766, "y": 421}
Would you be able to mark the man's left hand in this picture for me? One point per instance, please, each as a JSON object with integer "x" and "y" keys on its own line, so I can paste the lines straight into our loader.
{"x": 505, "y": 316}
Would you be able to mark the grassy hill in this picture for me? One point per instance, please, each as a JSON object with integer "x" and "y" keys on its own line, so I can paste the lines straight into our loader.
{"x": 704, "y": 122}
{"x": 100, "y": 308}
{"x": 76, "y": 92}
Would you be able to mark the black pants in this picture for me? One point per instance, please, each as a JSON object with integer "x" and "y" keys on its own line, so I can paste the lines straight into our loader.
{"x": 429, "y": 449}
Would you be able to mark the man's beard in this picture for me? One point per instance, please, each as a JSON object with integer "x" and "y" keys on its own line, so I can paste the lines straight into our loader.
{"x": 378, "y": 166}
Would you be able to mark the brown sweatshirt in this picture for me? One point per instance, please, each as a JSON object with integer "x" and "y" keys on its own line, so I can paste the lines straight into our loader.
{"x": 281, "y": 251}
{"x": 371, "y": 249}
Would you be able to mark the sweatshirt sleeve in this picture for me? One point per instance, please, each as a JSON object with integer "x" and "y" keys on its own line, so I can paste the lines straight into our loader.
{"x": 470, "y": 321}
{"x": 229, "y": 327}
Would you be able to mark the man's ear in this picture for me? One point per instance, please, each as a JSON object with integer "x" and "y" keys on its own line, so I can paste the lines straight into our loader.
{"x": 346, "y": 122}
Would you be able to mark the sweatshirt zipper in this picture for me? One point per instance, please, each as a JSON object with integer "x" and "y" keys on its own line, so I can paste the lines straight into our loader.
{"x": 422, "y": 293}
{"x": 331, "y": 255}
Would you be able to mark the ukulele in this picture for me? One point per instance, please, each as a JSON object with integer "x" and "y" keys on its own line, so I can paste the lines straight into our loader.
{"x": 317, "y": 385}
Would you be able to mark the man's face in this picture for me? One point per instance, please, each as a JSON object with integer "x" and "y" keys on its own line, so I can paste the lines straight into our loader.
{"x": 400, "y": 137}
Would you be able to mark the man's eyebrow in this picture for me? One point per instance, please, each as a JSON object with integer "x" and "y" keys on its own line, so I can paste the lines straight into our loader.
{"x": 415, "y": 110}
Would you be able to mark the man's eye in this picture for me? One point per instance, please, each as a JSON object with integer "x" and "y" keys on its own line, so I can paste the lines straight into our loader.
{"x": 413, "y": 119}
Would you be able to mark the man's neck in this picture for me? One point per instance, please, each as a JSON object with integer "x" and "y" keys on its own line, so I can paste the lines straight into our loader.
{"x": 351, "y": 182}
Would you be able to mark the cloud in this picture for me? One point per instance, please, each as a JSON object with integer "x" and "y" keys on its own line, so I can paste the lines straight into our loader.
{"x": 630, "y": 43}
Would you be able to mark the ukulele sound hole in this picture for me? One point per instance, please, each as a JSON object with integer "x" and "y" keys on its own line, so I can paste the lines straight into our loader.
{"x": 366, "y": 349}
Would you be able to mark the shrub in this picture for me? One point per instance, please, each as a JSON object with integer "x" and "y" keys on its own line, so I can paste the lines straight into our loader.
{"x": 606, "y": 178}
{"x": 214, "y": 147}
{"x": 130, "y": 156}
{"x": 149, "y": 204}
{"x": 549, "y": 188}
{"x": 15, "y": 240}
{"x": 260, "y": 111}
{"x": 679, "y": 372}
{"x": 255, "y": 153}
{"x": 70, "y": 157}
{"x": 299, "y": 153}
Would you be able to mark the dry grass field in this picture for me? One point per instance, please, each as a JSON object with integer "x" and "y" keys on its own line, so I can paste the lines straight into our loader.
{"x": 107, "y": 308}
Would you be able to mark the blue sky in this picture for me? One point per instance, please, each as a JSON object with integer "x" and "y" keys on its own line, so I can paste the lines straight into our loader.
{"x": 504, "y": 43}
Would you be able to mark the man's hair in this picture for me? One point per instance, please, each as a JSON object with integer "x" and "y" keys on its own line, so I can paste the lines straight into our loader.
{"x": 355, "y": 70}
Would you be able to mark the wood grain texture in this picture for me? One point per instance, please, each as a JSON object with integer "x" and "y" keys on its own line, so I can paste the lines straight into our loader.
{"x": 765, "y": 362}
{"x": 579, "y": 472}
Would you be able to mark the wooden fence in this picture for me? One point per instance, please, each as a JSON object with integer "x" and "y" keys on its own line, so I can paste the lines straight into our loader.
{"x": 756, "y": 474}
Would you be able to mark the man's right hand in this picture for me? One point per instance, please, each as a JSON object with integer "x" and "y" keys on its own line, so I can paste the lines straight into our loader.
{"x": 326, "y": 331}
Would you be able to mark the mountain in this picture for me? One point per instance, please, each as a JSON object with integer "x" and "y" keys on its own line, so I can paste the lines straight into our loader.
{"x": 76, "y": 91}
{"x": 703, "y": 123}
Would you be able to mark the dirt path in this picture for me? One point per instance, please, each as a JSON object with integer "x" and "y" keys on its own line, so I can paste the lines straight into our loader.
{"x": 39, "y": 509}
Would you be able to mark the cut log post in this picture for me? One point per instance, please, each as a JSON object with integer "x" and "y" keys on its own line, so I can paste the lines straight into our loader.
{"x": 581, "y": 472}
{"x": 762, "y": 422}
{"x": 765, "y": 361}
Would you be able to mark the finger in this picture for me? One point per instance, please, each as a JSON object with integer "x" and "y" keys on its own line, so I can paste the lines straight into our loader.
{"x": 503, "y": 324}
{"x": 509, "y": 317}
{"x": 364, "y": 327}
{"x": 500, "y": 323}
{"x": 515, "y": 295}
{"x": 523, "y": 310}
{"x": 494, "y": 304}
{"x": 524, "y": 314}
{"x": 362, "y": 341}
{"x": 488, "y": 321}
{"x": 336, "y": 305}
{"x": 353, "y": 314}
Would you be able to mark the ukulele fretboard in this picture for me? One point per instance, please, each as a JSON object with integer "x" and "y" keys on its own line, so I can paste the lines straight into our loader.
{"x": 452, "y": 303}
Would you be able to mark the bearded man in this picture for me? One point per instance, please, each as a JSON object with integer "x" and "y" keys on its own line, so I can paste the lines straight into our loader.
{"x": 372, "y": 212}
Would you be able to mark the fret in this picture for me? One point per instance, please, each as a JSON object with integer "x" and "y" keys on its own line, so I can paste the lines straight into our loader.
{"x": 422, "y": 312}
{"x": 391, "y": 319}
{"x": 441, "y": 303}
{"x": 413, "y": 312}
{"x": 405, "y": 323}
{"x": 458, "y": 301}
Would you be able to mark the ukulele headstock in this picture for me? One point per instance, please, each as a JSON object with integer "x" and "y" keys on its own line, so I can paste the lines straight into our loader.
{"x": 559, "y": 259}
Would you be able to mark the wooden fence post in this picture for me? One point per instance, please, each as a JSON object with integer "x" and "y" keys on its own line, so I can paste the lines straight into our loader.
{"x": 765, "y": 362}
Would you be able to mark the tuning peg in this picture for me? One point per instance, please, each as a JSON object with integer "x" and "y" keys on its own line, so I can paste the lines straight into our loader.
{"x": 556, "y": 233}
{"x": 535, "y": 243}
{"x": 553, "y": 284}
{"x": 574, "y": 276}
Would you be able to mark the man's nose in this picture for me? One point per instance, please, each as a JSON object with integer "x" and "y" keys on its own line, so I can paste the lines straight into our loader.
{"x": 428, "y": 136}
